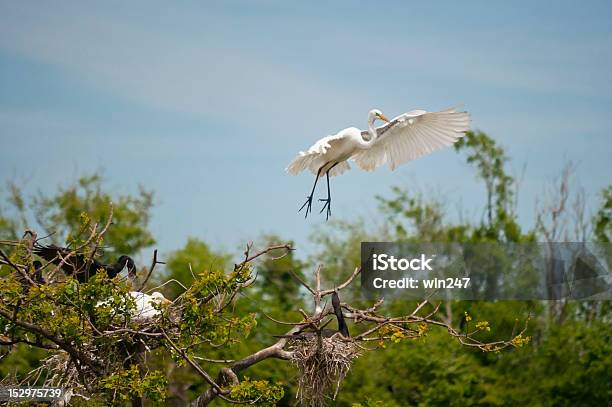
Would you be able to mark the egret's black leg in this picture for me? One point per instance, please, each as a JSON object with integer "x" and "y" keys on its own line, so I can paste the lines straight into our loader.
{"x": 308, "y": 203}
{"x": 327, "y": 200}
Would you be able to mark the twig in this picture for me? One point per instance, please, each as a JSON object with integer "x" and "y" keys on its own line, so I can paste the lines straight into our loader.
{"x": 16, "y": 267}
{"x": 153, "y": 264}
{"x": 248, "y": 259}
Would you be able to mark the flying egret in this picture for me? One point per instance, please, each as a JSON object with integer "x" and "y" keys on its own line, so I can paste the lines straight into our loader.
{"x": 406, "y": 137}
{"x": 81, "y": 266}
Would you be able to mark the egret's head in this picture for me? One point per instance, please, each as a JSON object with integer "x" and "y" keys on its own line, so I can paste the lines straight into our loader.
{"x": 377, "y": 115}
{"x": 159, "y": 298}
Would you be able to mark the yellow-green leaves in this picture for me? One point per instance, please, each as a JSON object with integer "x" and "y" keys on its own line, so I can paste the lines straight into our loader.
{"x": 520, "y": 341}
{"x": 125, "y": 384}
{"x": 265, "y": 393}
{"x": 483, "y": 326}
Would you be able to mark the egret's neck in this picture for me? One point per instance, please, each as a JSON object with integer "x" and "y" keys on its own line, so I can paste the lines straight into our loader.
{"x": 372, "y": 132}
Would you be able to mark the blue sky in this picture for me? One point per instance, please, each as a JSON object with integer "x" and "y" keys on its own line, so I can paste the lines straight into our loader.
{"x": 207, "y": 102}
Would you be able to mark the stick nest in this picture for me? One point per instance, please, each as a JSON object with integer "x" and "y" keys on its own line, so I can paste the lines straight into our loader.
{"x": 322, "y": 364}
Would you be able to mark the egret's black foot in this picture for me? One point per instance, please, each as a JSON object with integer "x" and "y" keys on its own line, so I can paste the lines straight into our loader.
{"x": 327, "y": 205}
{"x": 307, "y": 205}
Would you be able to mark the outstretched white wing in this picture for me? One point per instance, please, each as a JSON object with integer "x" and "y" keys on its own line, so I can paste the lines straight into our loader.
{"x": 412, "y": 135}
{"x": 327, "y": 150}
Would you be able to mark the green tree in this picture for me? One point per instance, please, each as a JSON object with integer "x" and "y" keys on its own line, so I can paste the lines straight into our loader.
{"x": 12, "y": 219}
{"x": 195, "y": 257}
{"x": 225, "y": 315}
{"x": 490, "y": 160}
{"x": 603, "y": 217}
{"x": 59, "y": 214}
{"x": 62, "y": 213}
{"x": 567, "y": 364}
{"x": 80, "y": 321}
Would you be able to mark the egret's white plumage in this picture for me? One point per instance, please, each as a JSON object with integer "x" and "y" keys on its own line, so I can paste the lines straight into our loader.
{"x": 144, "y": 305}
{"x": 406, "y": 137}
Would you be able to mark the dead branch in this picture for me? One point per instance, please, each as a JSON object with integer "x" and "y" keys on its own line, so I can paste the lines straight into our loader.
{"x": 154, "y": 263}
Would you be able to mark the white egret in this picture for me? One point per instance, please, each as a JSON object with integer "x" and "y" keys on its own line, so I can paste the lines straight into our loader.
{"x": 406, "y": 137}
{"x": 145, "y": 309}
{"x": 145, "y": 304}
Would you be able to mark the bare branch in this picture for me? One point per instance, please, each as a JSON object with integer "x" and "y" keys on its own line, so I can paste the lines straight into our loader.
{"x": 153, "y": 264}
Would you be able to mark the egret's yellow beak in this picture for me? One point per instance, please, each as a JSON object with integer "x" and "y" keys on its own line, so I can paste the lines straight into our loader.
{"x": 383, "y": 118}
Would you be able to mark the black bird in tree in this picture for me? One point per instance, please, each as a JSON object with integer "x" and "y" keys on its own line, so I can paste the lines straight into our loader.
{"x": 326, "y": 333}
{"x": 342, "y": 327}
{"x": 37, "y": 276}
{"x": 82, "y": 267}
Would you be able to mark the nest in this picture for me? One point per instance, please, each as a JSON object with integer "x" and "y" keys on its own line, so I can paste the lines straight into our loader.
{"x": 58, "y": 370}
{"x": 322, "y": 364}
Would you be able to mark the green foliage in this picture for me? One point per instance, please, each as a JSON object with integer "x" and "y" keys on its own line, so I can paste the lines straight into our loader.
{"x": 76, "y": 314}
{"x": 571, "y": 361}
{"x": 62, "y": 213}
{"x": 8, "y": 227}
{"x": 273, "y": 292}
{"x": 262, "y": 391}
{"x": 556, "y": 365}
{"x": 431, "y": 371}
{"x": 412, "y": 218}
{"x": 369, "y": 403}
{"x": 195, "y": 257}
{"x": 200, "y": 320}
{"x": 338, "y": 253}
{"x": 13, "y": 222}
{"x": 489, "y": 160}
{"x": 571, "y": 365}
{"x": 603, "y": 217}
{"x": 275, "y": 285}
{"x": 70, "y": 212}
{"x": 20, "y": 360}
{"x": 484, "y": 326}
{"x": 126, "y": 384}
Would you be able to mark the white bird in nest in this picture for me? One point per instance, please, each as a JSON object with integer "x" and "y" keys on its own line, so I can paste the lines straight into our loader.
{"x": 145, "y": 304}
{"x": 405, "y": 138}
{"x": 145, "y": 309}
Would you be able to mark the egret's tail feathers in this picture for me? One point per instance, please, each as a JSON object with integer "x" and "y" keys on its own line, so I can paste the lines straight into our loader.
{"x": 312, "y": 159}
{"x": 300, "y": 163}
{"x": 339, "y": 169}
{"x": 312, "y": 162}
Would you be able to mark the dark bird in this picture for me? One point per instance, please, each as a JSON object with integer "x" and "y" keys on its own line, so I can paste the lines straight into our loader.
{"x": 79, "y": 266}
{"x": 37, "y": 276}
{"x": 342, "y": 327}
{"x": 325, "y": 333}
